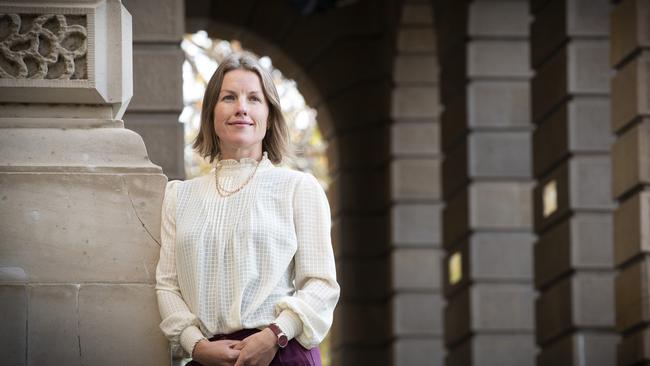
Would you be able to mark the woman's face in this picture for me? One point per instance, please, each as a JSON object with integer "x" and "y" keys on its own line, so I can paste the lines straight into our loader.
{"x": 241, "y": 115}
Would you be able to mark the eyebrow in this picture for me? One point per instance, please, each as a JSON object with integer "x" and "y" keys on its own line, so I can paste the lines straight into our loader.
{"x": 233, "y": 92}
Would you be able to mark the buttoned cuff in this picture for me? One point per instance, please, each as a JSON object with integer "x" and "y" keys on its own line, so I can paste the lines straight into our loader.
{"x": 290, "y": 323}
{"x": 189, "y": 337}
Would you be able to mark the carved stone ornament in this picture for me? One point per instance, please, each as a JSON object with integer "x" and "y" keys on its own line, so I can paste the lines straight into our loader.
{"x": 47, "y": 46}
{"x": 65, "y": 52}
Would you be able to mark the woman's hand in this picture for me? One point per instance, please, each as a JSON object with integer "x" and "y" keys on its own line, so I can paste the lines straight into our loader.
{"x": 257, "y": 349}
{"x": 216, "y": 353}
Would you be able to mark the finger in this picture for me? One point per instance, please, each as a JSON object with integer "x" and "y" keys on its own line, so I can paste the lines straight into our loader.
{"x": 239, "y": 346}
{"x": 248, "y": 337}
{"x": 240, "y": 361}
{"x": 232, "y": 354}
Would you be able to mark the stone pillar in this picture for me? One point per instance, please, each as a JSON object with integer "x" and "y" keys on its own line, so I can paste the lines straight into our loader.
{"x": 630, "y": 117}
{"x": 158, "y": 28}
{"x": 416, "y": 253}
{"x": 572, "y": 204}
{"x": 79, "y": 199}
{"x": 487, "y": 185}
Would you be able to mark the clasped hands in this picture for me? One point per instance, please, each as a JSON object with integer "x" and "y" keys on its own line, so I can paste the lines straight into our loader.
{"x": 255, "y": 350}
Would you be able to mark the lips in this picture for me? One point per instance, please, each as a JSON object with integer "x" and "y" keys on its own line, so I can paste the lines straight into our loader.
{"x": 240, "y": 123}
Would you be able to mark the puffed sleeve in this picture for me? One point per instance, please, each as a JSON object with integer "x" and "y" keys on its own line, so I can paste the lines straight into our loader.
{"x": 307, "y": 314}
{"x": 178, "y": 324}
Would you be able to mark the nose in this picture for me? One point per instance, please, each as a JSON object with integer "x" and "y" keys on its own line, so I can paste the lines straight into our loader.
{"x": 242, "y": 107}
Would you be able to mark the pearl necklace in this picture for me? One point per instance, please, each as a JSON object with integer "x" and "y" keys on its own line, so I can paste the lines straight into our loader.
{"x": 226, "y": 193}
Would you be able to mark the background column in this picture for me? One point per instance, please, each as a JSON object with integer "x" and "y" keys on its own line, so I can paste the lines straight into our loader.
{"x": 487, "y": 185}
{"x": 416, "y": 255}
{"x": 572, "y": 202}
{"x": 158, "y": 28}
{"x": 630, "y": 58}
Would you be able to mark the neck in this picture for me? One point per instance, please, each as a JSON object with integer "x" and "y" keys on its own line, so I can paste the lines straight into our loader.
{"x": 240, "y": 153}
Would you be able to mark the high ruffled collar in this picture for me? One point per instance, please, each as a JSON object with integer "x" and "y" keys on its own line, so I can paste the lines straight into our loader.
{"x": 233, "y": 164}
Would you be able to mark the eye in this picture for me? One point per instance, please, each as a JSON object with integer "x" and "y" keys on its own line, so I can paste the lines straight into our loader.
{"x": 228, "y": 97}
{"x": 255, "y": 98}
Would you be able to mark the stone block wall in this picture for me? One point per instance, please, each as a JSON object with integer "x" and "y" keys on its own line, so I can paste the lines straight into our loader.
{"x": 80, "y": 200}
{"x": 572, "y": 204}
{"x": 416, "y": 255}
{"x": 630, "y": 157}
{"x": 486, "y": 182}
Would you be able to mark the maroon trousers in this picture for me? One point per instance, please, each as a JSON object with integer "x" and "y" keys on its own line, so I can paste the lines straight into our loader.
{"x": 293, "y": 354}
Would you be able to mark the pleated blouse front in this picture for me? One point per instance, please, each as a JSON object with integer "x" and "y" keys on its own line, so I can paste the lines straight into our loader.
{"x": 259, "y": 256}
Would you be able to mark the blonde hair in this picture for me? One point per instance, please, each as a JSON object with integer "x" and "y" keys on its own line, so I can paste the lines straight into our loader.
{"x": 276, "y": 140}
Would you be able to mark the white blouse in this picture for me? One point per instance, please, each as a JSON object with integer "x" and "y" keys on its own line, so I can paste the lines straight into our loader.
{"x": 262, "y": 255}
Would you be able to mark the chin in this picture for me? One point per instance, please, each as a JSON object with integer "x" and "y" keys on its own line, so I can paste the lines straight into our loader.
{"x": 240, "y": 143}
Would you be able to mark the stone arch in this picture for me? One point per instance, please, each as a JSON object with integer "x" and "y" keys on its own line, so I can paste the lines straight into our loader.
{"x": 343, "y": 67}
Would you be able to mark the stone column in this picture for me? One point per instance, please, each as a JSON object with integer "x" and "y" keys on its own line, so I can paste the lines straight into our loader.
{"x": 630, "y": 121}
{"x": 486, "y": 175}
{"x": 416, "y": 254}
{"x": 79, "y": 199}
{"x": 158, "y": 28}
{"x": 572, "y": 204}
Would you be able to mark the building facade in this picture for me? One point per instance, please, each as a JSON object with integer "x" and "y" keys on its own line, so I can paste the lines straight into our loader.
{"x": 489, "y": 159}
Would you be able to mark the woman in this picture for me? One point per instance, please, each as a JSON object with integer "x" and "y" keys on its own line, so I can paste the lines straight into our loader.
{"x": 246, "y": 273}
